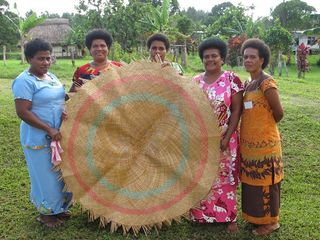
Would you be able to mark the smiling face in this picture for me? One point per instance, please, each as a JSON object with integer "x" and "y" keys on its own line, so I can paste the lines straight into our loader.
{"x": 99, "y": 50}
{"x": 40, "y": 63}
{"x": 251, "y": 60}
{"x": 157, "y": 47}
{"x": 212, "y": 60}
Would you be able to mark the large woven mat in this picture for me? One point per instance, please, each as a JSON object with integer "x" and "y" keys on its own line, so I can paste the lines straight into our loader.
{"x": 141, "y": 146}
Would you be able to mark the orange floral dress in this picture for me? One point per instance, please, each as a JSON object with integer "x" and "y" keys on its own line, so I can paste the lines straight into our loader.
{"x": 260, "y": 145}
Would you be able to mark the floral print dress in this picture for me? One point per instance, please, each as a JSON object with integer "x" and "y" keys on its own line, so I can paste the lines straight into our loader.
{"x": 221, "y": 203}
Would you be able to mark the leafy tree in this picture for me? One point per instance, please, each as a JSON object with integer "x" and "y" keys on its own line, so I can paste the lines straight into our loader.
{"x": 216, "y": 12}
{"x": 184, "y": 24}
{"x": 314, "y": 20}
{"x": 122, "y": 20}
{"x": 90, "y": 15}
{"x": 126, "y": 22}
{"x": 248, "y": 29}
{"x": 67, "y": 15}
{"x": 219, "y": 9}
{"x": 279, "y": 40}
{"x": 195, "y": 15}
{"x": 293, "y": 15}
{"x": 79, "y": 25}
{"x": 93, "y": 11}
{"x": 230, "y": 23}
{"x": 8, "y": 33}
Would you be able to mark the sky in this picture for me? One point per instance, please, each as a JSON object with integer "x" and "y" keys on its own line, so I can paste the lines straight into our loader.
{"x": 262, "y": 7}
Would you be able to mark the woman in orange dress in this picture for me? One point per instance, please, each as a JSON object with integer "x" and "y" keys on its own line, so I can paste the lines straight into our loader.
{"x": 261, "y": 168}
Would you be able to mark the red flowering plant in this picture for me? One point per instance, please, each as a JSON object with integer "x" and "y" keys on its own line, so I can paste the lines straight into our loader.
{"x": 234, "y": 46}
{"x": 302, "y": 62}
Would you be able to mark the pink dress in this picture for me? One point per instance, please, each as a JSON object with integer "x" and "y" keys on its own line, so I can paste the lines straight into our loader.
{"x": 221, "y": 203}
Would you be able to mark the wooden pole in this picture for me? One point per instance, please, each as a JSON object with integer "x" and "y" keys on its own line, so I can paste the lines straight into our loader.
{"x": 4, "y": 55}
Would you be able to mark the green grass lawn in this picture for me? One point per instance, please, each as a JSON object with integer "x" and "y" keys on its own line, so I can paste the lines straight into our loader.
{"x": 300, "y": 208}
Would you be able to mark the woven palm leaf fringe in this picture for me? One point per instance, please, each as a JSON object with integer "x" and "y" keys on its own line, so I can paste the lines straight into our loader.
{"x": 103, "y": 222}
{"x": 146, "y": 229}
{"x": 114, "y": 226}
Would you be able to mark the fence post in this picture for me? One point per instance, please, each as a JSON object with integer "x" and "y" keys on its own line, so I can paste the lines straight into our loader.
{"x": 4, "y": 55}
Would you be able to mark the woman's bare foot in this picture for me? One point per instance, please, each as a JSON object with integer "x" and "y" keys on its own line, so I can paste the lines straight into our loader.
{"x": 50, "y": 221}
{"x": 232, "y": 227}
{"x": 265, "y": 230}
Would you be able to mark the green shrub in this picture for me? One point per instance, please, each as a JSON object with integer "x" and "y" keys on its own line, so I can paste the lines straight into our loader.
{"x": 11, "y": 55}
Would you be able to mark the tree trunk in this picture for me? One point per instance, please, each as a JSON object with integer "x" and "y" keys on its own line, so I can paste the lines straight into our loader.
{"x": 280, "y": 63}
{"x": 175, "y": 54}
{"x": 4, "y": 55}
{"x": 72, "y": 58}
{"x": 184, "y": 54}
{"x": 22, "y": 51}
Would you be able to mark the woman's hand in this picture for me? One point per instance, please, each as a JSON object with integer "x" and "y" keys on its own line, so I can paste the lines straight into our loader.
{"x": 54, "y": 134}
{"x": 165, "y": 64}
{"x": 224, "y": 144}
{"x": 157, "y": 58}
{"x": 64, "y": 116}
{"x": 75, "y": 87}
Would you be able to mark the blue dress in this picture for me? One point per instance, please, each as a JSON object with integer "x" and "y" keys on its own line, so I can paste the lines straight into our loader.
{"x": 47, "y": 97}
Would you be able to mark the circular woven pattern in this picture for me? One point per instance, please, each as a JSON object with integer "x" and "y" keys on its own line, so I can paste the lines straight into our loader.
{"x": 141, "y": 146}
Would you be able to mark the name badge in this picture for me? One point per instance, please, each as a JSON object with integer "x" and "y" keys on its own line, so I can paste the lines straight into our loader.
{"x": 248, "y": 105}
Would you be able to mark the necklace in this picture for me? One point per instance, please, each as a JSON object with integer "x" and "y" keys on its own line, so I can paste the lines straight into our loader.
{"x": 254, "y": 84}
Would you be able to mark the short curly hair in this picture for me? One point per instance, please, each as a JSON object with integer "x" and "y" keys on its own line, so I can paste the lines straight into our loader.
{"x": 215, "y": 43}
{"x": 263, "y": 49}
{"x": 32, "y": 47}
{"x": 98, "y": 34}
{"x": 158, "y": 37}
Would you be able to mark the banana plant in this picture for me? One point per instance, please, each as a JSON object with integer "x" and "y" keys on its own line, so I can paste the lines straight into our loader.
{"x": 158, "y": 17}
{"x": 23, "y": 26}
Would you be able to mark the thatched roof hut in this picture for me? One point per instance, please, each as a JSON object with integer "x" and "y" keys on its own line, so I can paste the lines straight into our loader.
{"x": 55, "y": 31}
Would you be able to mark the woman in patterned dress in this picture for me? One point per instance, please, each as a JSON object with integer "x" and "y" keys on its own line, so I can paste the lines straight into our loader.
{"x": 99, "y": 43}
{"x": 261, "y": 170}
{"x": 224, "y": 92}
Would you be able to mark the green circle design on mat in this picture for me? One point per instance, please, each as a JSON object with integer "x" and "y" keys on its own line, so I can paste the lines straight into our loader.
{"x": 137, "y": 98}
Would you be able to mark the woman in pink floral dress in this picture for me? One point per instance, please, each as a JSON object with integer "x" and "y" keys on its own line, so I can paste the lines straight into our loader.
{"x": 224, "y": 91}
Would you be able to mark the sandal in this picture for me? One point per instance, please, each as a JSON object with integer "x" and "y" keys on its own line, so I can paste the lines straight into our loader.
{"x": 50, "y": 221}
{"x": 64, "y": 215}
{"x": 265, "y": 230}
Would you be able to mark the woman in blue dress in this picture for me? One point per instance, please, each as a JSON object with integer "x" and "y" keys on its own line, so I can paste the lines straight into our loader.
{"x": 39, "y": 101}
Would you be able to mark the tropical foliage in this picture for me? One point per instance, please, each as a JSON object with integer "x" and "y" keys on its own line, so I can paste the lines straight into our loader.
{"x": 132, "y": 21}
{"x": 294, "y": 14}
{"x": 279, "y": 40}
